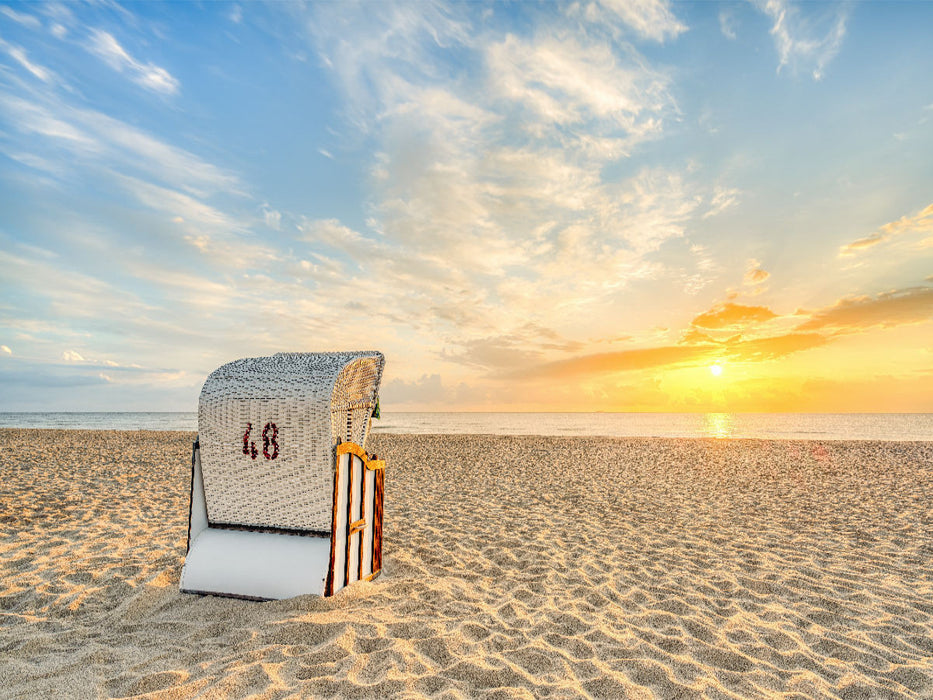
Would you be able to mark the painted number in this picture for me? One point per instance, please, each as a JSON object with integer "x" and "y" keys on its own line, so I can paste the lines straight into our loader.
{"x": 249, "y": 448}
{"x": 266, "y": 441}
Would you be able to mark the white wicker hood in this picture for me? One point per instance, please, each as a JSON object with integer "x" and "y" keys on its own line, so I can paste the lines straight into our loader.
{"x": 267, "y": 427}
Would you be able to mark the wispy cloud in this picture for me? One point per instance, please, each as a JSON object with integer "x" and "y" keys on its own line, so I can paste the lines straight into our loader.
{"x": 700, "y": 350}
{"x": 272, "y": 217}
{"x": 921, "y": 222}
{"x": 564, "y": 82}
{"x": 369, "y": 48}
{"x": 773, "y": 347}
{"x": 62, "y": 19}
{"x": 754, "y": 274}
{"x": 65, "y": 292}
{"x": 19, "y": 55}
{"x": 806, "y": 36}
{"x": 733, "y": 316}
{"x": 525, "y": 346}
{"x": 727, "y": 24}
{"x": 224, "y": 240}
{"x": 651, "y": 19}
{"x": 148, "y": 75}
{"x": 623, "y": 361}
{"x": 898, "y": 307}
{"x": 98, "y": 137}
{"x": 23, "y": 18}
{"x": 30, "y": 117}
{"x": 723, "y": 198}
{"x": 31, "y": 376}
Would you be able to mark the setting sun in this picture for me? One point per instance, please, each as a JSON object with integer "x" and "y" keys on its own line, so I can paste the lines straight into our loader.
{"x": 716, "y": 370}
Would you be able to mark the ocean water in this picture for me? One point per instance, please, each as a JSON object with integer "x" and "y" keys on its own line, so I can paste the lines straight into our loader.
{"x": 187, "y": 420}
{"x": 796, "y": 426}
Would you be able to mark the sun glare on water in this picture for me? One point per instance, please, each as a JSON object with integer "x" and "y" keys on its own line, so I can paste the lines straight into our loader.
{"x": 719, "y": 425}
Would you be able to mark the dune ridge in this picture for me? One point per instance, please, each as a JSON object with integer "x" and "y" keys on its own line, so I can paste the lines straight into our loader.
{"x": 515, "y": 567}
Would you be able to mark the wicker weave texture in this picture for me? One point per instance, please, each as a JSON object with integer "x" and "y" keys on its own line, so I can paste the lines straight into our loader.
{"x": 312, "y": 399}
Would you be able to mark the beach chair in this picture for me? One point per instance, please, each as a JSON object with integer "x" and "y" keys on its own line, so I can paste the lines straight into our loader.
{"x": 284, "y": 498}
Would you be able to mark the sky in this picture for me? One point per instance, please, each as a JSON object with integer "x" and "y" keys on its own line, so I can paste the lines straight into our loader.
{"x": 587, "y": 206}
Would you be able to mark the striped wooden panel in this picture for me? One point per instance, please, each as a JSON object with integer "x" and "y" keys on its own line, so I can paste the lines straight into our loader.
{"x": 357, "y": 514}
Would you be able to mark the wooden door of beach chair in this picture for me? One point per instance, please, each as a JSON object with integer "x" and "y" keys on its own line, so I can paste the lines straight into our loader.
{"x": 285, "y": 500}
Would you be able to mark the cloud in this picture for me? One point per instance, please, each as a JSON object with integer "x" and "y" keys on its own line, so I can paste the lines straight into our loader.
{"x": 5, "y": 350}
{"x": 699, "y": 349}
{"x": 19, "y": 55}
{"x": 28, "y": 385}
{"x": 97, "y": 137}
{"x": 370, "y": 47}
{"x": 723, "y": 198}
{"x": 692, "y": 336}
{"x": 330, "y": 232}
{"x": 191, "y": 212}
{"x": 729, "y": 315}
{"x": 562, "y": 81}
{"x": 272, "y": 217}
{"x": 913, "y": 305}
{"x": 754, "y": 274}
{"x": 66, "y": 294}
{"x": 921, "y": 222}
{"x": 429, "y": 390}
{"x": 61, "y": 17}
{"x": 147, "y": 75}
{"x": 73, "y": 356}
{"x": 525, "y": 346}
{"x": 222, "y": 240}
{"x": 419, "y": 289}
{"x": 808, "y": 40}
{"x": 30, "y": 117}
{"x": 22, "y": 18}
{"x": 622, "y": 361}
{"x": 43, "y": 377}
{"x": 727, "y": 24}
{"x": 652, "y": 19}
{"x": 426, "y": 389}
{"x": 772, "y": 348}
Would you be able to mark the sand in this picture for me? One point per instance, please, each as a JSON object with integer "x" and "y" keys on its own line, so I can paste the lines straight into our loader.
{"x": 515, "y": 568}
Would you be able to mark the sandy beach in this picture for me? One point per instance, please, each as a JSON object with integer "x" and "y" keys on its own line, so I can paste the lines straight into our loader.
{"x": 515, "y": 567}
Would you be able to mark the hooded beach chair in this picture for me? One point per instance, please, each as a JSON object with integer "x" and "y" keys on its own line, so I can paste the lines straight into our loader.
{"x": 284, "y": 498}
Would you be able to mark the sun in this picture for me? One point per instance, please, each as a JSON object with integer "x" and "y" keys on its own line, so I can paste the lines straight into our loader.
{"x": 715, "y": 370}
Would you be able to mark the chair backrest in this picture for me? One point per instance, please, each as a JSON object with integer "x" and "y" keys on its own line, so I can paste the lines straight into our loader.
{"x": 267, "y": 428}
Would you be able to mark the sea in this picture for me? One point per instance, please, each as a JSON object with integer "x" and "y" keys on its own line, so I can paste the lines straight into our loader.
{"x": 765, "y": 426}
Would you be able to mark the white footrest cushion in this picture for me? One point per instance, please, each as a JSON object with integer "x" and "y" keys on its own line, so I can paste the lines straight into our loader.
{"x": 255, "y": 564}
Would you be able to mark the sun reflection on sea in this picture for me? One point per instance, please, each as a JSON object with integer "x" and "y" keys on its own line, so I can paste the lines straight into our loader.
{"x": 719, "y": 425}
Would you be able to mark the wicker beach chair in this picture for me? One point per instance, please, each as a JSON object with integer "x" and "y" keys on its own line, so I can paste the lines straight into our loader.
{"x": 284, "y": 498}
